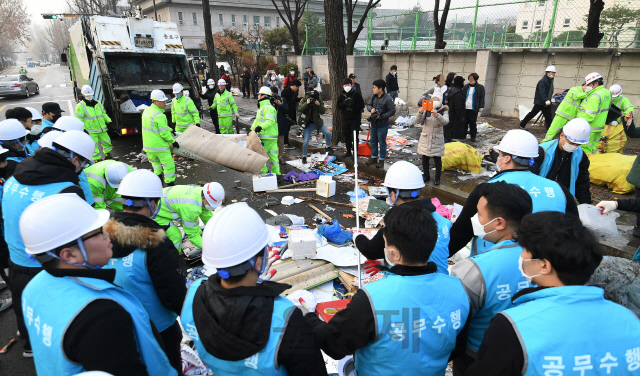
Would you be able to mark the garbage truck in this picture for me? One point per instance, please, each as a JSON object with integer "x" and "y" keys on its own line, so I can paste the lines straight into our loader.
{"x": 123, "y": 59}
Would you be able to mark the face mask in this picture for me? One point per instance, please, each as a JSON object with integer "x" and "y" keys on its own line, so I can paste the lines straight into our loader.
{"x": 528, "y": 278}
{"x": 88, "y": 97}
{"x": 178, "y": 95}
{"x": 154, "y": 213}
{"x": 478, "y": 228}
{"x": 209, "y": 207}
{"x": 498, "y": 167}
{"x": 394, "y": 73}
{"x": 211, "y": 86}
{"x": 436, "y": 104}
{"x": 35, "y": 129}
{"x": 56, "y": 117}
{"x": 569, "y": 148}
{"x": 347, "y": 89}
{"x": 588, "y": 89}
{"x": 273, "y": 78}
{"x": 552, "y": 77}
{"x": 386, "y": 258}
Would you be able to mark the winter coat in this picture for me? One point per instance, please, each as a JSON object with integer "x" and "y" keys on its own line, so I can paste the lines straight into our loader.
{"x": 385, "y": 107}
{"x": 246, "y": 76}
{"x": 311, "y": 113}
{"x": 351, "y": 105}
{"x": 544, "y": 91}
{"x": 457, "y": 128}
{"x": 392, "y": 82}
{"x": 283, "y": 110}
{"x": 313, "y": 82}
{"x": 292, "y": 101}
{"x": 634, "y": 174}
{"x": 255, "y": 77}
{"x": 431, "y": 141}
{"x": 289, "y": 79}
{"x": 47, "y": 166}
{"x": 478, "y": 96}
{"x": 266, "y": 81}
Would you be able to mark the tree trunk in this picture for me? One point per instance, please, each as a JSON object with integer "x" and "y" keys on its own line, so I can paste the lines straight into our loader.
{"x": 593, "y": 36}
{"x": 208, "y": 39}
{"x": 295, "y": 39}
{"x": 351, "y": 42}
{"x": 440, "y": 24}
{"x": 337, "y": 57}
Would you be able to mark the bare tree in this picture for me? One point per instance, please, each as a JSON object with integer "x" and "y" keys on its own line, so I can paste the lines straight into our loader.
{"x": 208, "y": 40}
{"x": 14, "y": 22}
{"x": 39, "y": 46}
{"x": 336, "y": 54}
{"x": 97, "y": 7}
{"x": 56, "y": 33}
{"x": 350, "y": 8}
{"x": 440, "y": 23}
{"x": 593, "y": 36}
{"x": 255, "y": 41}
{"x": 291, "y": 19}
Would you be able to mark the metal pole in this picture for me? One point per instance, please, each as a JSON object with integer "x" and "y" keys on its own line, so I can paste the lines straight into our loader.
{"x": 484, "y": 37}
{"x": 369, "y": 33}
{"x": 356, "y": 141}
{"x": 472, "y": 38}
{"x": 547, "y": 40}
{"x": 154, "y": 10}
{"x": 566, "y": 43}
{"x": 306, "y": 30}
{"x": 401, "y": 38}
{"x": 455, "y": 27}
{"x": 415, "y": 32}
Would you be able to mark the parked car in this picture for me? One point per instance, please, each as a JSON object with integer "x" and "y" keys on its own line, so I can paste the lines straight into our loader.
{"x": 48, "y": 64}
{"x": 15, "y": 84}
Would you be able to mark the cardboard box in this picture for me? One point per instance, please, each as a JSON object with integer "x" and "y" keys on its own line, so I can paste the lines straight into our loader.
{"x": 302, "y": 244}
{"x": 325, "y": 186}
{"x": 263, "y": 183}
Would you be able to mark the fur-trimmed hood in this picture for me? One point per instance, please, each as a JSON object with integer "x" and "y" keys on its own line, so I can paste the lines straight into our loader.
{"x": 129, "y": 231}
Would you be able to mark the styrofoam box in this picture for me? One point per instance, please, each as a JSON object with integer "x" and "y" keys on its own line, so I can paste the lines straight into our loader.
{"x": 325, "y": 186}
{"x": 264, "y": 183}
{"x": 302, "y": 244}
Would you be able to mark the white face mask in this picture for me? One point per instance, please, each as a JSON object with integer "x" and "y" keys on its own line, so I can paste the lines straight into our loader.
{"x": 528, "y": 278}
{"x": 273, "y": 78}
{"x": 498, "y": 167}
{"x": 347, "y": 89}
{"x": 588, "y": 89}
{"x": 478, "y": 228}
{"x": 386, "y": 258}
{"x": 212, "y": 86}
{"x": 569, "y": 148}
{"x": 436, "y": 104}
{"x": 209, "y": 207}
{"x": 35, "y": 129}
{"x": 88, "y": 97}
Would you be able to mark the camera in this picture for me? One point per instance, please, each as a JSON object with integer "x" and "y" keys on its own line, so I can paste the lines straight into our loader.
{"x": 374, "y": 116}
{"x": 314, "y": 95}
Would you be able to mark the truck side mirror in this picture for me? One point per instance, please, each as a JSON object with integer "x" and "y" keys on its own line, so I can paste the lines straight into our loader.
{"x": 63, "y": 58}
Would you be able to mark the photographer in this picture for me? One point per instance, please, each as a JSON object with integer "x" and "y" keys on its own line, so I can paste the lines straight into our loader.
{"x": 280, "y": 104}
{"x": 382, "y": 108}
{"x": 290, "y": 95}
{"x": 272, "y": 80}
{"x": 310, "y": 108}
{"x": 351, "y": 104}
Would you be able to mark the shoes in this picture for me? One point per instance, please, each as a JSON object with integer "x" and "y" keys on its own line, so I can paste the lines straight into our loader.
{"x": 328, "y": 149}
{"x": 255, "y": 97}
{"x": 27, "y": 353}
{"x": 473, "y": 139}
{"x": 5, "y": 303}
{"x": 426, "y": 177}
{"x": 288, "y": 147}
{"x": 636, "y": 232}
{"x": 371, "y": 161}
{"x": 380, "y": 164}
{"x": 522, "y": 125}
{"x": 436, "y": 181}
{"x": 304, "y": 160}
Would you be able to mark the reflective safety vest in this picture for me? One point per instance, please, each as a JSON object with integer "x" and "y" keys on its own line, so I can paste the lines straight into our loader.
{"x": 16, "y": 159}
{"x": 624, "y": 104}
{"x": 184, "y": 111}
{"x": 23, "y": 71}
{"x": 50, "y": 304}
{"x": 418, "y": 319}
{"x": 569, "y": 106}
{"x": 184, "y": 203}
{"x": 262, "y": 362}
{"x": 587, "y": 334}
{"x": 103, "y": 194}
{"x": 86, "y": 188}
{"x": 94, "y": 118}
{"x": 156, "y": 134}
{"x": 266, "y": 118}
{"x": 15, "y": 199}
{"x": 440, "y": 254}
{"x": 594, "y": 109}
{"x": 133, "y": 276}
{"x": 225, "y": 104}
{"x": 550, "y": 154}
{"x": 501, "y": 279}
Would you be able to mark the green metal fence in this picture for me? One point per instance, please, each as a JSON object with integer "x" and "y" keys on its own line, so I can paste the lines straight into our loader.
{"x": 478, "y": 24}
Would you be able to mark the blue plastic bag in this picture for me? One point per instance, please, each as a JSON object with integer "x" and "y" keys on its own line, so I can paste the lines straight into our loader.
{"x": 334, "y": 233}
{"x": 361, "y": 194}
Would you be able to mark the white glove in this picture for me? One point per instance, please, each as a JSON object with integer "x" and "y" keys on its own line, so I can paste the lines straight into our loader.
{"x": 480, "y": 110}
{"x": 614, "y": 123}
{"x": 607, "y": 206}
{"x": 548, "y": 103}
{"x": 304, "y": 300}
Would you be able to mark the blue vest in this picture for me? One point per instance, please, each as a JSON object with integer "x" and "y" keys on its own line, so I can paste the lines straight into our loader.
{"x": 418, "y": 319}
{"x": 17, "y": 159}
{"x": 46, "y": 123}
{"x": 32, "y": 147}
{"x": 261, "y": 363}
{"x": 50, "y": 304}
{"x": 550, "y": 153}
{"x": 440, "y": 254}
{"x": 133, "y": 276}
{"x": 502, "y": 279}
{"x": 574, "y": 330}
{"x": 15, "y": 200}
{"x": 86, "y": 188}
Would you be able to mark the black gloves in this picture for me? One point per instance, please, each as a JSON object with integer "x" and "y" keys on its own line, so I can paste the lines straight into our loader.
{"x": 176, "y": 145}
{"x": 258, "y": 129}
{"x": 198, "y": 125}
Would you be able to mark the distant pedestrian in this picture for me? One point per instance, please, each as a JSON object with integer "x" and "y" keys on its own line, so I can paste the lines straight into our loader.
{"x": 351, "y": 104}
{"x": 282, "y": 108}
{"x": 305, "y": 77}
{"x": 382, "y": 108}
{"x": 255, "y": 82}
{"x": 313, "y": 80}
{"x": 354, "y": 84}
{"x": 290, "y": 77}
{"x": 431, "y": 142}
{"x": 542, "y": 98}
{"x": 290, "y": 95}
{"x": 457, "y": 127}
{"x": 392, "y": 82}
{"x": 246, "y": 79}
{"x": 449, "y": 84}
{"x": 474, "y": 104}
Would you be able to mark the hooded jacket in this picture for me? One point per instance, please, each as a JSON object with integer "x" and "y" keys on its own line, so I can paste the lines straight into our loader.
{"x": 457, "y": 127}
{"x": 46, "y": 167}
{"x": 238, "y": 325}
{"x": 130, "y": 231}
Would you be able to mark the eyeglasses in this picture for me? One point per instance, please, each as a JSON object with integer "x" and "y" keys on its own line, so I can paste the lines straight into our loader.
{"x": 92, "y": 235}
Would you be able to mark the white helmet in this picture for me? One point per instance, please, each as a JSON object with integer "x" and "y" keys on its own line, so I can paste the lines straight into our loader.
{"x": 35, "y": 114}
{"x": 42, "y": 230}
{"x": 141, "y": 183}
{"x": 266, "y": 91}
{"x": 519, "y": 143}
{"x": 69, "y": 123}
{"x": 211, "y": 82}
{"x": 158, "y": 95}
{"x": 11, "y": 129}
{"x": 115, "y": 172}
{"x": 46, "y": 141}
{"x": 551, "y": 68}
{"x": 594, "y": 76}
{"x": 221, "y": 245}
{"x": 403, "y": 175}
{"x": 3, "y": 150}
{"x": 214, "y": 194}
{"x": 87, "y": 90}
{"x": 577, "y": 131}
{"x": 615, "y": 90}
{"x": 77, "y": 142}
{"x": 177, "y": 87}
{"x": 222, "y": 82}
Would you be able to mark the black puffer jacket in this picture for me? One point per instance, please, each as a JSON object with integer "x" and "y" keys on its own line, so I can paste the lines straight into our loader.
{"x": 8, "y": 170}
{"x": 457, "y": 128}
{"x": 45, "y": 167}
{"x": 351, "y": 105}
{"x": 544, "y": 91}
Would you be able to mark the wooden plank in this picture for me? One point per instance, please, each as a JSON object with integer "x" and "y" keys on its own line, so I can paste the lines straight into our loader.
{"x": 347, "y": 280}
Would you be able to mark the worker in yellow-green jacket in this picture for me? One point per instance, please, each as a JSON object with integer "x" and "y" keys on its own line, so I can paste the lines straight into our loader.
{"x": 623, "y": 103}
{"x": 186, "y": 204}
{"x": 157, "y": 139}
{"x": 567, "y": 110}
{"x": 226, "y": 106}
{"x": 266, "y": 127}
{"x": 95, "y": 119}
{"x": 104, "y": 179}
{"x": 183, "y": 111}
{"x": 594, "y": 109}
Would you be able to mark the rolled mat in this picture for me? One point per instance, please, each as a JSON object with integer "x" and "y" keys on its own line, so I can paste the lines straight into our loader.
{"x": 199, "y": 144}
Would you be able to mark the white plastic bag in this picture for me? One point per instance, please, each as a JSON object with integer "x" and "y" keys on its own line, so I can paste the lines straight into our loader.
{"x": 602, "y": 224}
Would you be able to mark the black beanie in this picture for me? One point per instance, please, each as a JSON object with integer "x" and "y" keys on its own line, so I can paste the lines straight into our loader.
{"x": 458, "y": 81}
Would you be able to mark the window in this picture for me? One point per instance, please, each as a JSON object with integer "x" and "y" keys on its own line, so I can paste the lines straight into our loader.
{"x": 567, "y": 22}
{"x": 244, "y": 20}
{"x": 194, "y": 17}
{"x": 180, "y": 22}
{"x": 277, "y": 21}
{"x": 541, "y": 3}
{"x": 525, "y": 25}
{"x": 221, "y": 19}
{"x": 538, "y": 25}
{"x": 233, "y": 20}
{"x": 256, "y": 20}
{"x": 267, "y": 21}
{"x": 322, "y": 20}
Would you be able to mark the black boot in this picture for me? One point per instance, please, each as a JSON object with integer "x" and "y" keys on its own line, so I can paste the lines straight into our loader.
{"x": 436, "y": 181}
{"x": 380, "y": 164}
{"x": 426, "y": 177}
{"x": 371, "y": 161}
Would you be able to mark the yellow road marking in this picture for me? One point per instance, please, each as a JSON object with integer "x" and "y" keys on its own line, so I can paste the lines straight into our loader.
{"x": 42, "y": 72}
{"x": 2, "y": 108}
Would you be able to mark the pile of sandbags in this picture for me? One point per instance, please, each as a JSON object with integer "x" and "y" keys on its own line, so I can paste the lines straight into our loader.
{"x": 610, "y": 170}
{"x": 614, "y": 139}
{"x": 458, "y": 155}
